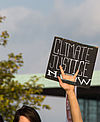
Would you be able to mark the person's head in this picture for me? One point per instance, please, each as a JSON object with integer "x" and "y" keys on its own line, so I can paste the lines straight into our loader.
{"x": 1, "y": 119}
{"x": 26, "y": 114}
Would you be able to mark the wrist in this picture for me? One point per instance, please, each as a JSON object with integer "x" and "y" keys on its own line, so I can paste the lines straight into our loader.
{"x": 70, "y": 92}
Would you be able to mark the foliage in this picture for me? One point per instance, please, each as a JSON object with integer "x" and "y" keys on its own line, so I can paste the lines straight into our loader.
{"x": 13, "y": 93}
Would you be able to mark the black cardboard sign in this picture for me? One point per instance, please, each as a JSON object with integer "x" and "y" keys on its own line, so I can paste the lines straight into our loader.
{"x": 72, "y": 56}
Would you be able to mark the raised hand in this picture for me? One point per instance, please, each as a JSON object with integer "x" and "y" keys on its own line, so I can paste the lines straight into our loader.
{"x": 74, "y": 106}
{"x": 66, "y": 86}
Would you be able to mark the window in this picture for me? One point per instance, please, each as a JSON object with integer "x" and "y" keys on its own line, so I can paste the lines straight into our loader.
{"x": 90, "y": 110}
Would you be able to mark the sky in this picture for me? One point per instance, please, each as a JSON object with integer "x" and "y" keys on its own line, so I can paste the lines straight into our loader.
{"x": 33, "y": 24}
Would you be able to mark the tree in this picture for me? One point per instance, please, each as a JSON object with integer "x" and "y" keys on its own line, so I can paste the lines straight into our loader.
{"x": 13, "y": 93}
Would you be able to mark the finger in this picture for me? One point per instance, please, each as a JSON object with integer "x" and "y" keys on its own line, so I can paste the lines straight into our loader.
{"x": 60, "y": 81}
{"x": 76, "y": 73}
{"x": 61, "y": 69}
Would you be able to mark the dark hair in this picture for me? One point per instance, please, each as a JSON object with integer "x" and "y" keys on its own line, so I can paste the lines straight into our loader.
{"x": 29, "y": 112}
{"x": 1, "y": 119}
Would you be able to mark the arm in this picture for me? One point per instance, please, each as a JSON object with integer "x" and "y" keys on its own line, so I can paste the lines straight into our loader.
{"x": 75, "y": 109}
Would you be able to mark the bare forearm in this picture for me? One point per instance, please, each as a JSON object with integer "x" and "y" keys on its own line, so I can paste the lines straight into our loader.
{"x": 75, "y": 109}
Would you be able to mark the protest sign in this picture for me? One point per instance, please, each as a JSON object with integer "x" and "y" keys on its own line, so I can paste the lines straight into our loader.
{"x": 72, "y": 56}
